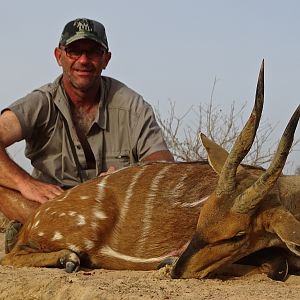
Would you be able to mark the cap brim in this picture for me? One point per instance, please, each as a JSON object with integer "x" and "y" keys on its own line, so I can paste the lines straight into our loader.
{"x": 78, "y": 37}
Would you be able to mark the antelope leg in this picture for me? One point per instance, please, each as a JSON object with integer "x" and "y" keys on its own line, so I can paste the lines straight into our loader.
{"x": 63, "y": 259}
{"x": 271, "y": 261}
{"x": 273, "y": 270}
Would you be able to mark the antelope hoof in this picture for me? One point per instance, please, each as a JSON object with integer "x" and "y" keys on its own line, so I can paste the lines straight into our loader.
{"x": 169, "y": 261}
{"x": 70, "y": 262}
{"x": 71, "y": 267}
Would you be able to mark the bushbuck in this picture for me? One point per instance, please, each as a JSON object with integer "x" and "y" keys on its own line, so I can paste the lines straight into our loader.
{"x": 144, "y": 215}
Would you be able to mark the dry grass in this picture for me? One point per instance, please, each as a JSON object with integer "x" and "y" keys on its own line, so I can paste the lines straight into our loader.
{"x": 3, "y": 222}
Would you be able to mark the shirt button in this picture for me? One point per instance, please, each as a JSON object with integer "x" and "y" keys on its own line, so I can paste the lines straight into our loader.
{"x": 78, "y": 147}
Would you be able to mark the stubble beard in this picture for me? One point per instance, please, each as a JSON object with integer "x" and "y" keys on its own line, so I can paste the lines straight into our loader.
{"x": 82, "y": 86}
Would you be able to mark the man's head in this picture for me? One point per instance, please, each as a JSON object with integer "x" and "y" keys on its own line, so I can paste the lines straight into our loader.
{"x": 84, "y": 29}
{"x": 82, "y": 53}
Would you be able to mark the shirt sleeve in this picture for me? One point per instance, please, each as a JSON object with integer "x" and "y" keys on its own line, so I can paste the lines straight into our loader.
{"x": 148, "y": 136}
{"x": 31, "y": 111}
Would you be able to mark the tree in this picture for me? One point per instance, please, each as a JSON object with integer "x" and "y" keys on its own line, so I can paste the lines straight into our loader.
{"x": 297, "y": 171}
{"x": 183, "y": 140}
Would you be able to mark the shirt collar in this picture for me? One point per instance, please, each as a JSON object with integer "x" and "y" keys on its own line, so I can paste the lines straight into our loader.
{"x": 101, "y": 117}
{"x": 61, "y": 101}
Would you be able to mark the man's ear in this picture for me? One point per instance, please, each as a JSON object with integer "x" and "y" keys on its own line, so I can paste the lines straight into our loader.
{"x": 58, "y": 54}
{"x": 106, "y": 59}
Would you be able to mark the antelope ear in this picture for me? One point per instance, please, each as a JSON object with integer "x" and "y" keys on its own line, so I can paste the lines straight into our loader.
{"x": 216, "y": 154}
{"x": 287, "y": 227}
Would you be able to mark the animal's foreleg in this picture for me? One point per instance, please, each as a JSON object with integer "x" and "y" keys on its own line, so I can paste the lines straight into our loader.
{"x": 62, "y": 259}
{"x": 271, "y": 261}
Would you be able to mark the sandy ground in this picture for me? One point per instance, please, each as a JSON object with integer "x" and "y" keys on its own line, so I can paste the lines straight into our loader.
{"x": 42, "y": 283}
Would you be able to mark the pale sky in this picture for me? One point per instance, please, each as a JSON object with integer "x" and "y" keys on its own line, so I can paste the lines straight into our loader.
{"x": 166, "y": 49}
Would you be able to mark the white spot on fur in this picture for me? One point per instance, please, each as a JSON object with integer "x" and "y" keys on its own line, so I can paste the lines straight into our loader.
{"x": 149, "y": 204}
{"x": 112, "y": 253}
{"x": 36, "y": 224}
{"x": 129, "y": 194}
{"x": 99, "y": 214}
{"x": 179, "y": 190}
{"x": 81, "y": 220}
{"x": 102, "y": 184}
{"x": 88, "y": 244}
{"x": 72, "y": 213}
{"x": 195, "y": 203}
{"x": 41, "y": 233}
{"x": 125, "y": 207}
{"x": 65, "y": 195}
{"x": 84, "y": 197}
{"x": 57, "y": 236}
{"x": 74, "y": 248}
{"x": 47, "y": 208}
{"x": 62, "y": 214}
{"x": 53, "y": 213}
{"x": 37, "y": 214}
{"x": 101, "y": 189}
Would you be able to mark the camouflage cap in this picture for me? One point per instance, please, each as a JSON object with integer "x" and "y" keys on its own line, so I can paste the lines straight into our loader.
{"x": 83, "y": 29}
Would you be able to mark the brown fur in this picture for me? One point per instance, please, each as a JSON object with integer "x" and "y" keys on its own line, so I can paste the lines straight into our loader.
{"x": 167, "y": 233}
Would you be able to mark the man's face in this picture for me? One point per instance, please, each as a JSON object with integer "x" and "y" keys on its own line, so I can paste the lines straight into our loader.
{"x": 82, "y": 62}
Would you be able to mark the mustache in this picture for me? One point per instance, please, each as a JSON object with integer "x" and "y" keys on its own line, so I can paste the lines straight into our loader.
{"x": 84, "y": 67}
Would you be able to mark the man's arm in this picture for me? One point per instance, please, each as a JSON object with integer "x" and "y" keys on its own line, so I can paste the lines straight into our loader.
{"x": 148, "y": 137}
{"x": 164, "y": 155}
{"x": 13, "y": 176}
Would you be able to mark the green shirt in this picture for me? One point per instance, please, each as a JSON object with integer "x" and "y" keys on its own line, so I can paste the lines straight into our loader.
{"x": 124, "y": 132}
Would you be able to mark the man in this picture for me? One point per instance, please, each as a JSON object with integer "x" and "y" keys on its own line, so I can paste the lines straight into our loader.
{"x": 79, "y": 126}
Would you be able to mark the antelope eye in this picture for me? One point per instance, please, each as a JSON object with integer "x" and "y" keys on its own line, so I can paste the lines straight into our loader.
{"x": 239, "y": 236}
{"x": 241, "y": 233}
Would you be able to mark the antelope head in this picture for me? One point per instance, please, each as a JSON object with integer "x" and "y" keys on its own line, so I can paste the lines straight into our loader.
{"x": 244, "y": 214}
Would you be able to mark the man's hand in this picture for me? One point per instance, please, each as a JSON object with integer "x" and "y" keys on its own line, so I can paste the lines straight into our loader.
{"x": 111, "y": 169}
{"x": 38, "y": 191}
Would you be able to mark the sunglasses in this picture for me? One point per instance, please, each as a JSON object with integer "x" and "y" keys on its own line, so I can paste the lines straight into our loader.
{"x": 76, "y": 53}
